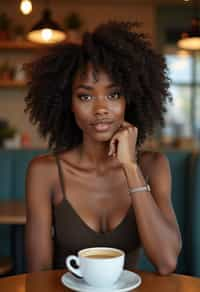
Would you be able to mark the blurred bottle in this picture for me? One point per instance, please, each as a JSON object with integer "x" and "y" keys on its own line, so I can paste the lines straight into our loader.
{"x": 25, "y": 140}
{"x": 19, "y": 73}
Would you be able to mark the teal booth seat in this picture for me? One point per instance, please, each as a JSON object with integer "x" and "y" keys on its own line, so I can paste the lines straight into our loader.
{"x": 6, "y": 175}
{"x": 13, "y": 166}
{"x": 193, "y": 226}
{"x": 21, "y": 160}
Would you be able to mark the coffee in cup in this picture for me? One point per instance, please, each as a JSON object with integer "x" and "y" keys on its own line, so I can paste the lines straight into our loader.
{"x": 98, "y": 266}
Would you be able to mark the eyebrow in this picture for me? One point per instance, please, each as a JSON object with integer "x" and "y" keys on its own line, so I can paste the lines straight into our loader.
{"x": 88, "y": 87}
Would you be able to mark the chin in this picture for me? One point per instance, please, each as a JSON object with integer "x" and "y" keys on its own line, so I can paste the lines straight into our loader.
{"x": 103, "y": 137}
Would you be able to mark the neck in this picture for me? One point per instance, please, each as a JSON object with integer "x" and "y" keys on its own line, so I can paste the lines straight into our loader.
{"x": 94, "y": 154}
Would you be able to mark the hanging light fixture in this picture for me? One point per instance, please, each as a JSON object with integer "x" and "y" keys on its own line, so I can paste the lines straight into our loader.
{"x": 190, "y": 40}
{"x": 46, "y": 31}
{"x": 26, "y": 7}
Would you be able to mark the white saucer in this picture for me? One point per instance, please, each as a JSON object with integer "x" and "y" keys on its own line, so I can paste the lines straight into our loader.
{"x": 127, "y": 281}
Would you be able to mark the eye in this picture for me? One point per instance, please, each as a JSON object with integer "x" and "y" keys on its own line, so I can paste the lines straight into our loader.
{"x": 84, "y": 97}
{"x": 115, "y": 95}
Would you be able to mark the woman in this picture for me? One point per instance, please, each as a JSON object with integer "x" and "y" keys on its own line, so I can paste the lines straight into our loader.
{"x": 97, "y": 102}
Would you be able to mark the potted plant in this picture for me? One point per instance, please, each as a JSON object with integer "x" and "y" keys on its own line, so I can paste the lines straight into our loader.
{"x": 72, "y": 24}
{"x": 4, "y": 26}
{"x": 6, "y": 131}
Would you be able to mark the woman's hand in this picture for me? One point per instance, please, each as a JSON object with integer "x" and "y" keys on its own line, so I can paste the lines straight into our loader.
{"x": 123, "y": 144}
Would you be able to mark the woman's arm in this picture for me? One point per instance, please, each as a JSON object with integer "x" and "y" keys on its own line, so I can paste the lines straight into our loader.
{"x": 39, "y": 217}
{"x": 155, "y": 217}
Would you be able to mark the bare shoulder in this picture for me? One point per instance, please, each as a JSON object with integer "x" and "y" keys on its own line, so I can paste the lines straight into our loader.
{"x": 45, "y": 165}
{"x": 42, "y": 167}
{"x": 40, "y": 181}
{"x": 42, "y": 162}
{"x": 153, "y": 163}
{"x": 153, "y": 157}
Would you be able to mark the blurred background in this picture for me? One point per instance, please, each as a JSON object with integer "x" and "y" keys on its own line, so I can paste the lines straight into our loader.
{"x": 163, "y": 21}
{"x": 28, "y": 27}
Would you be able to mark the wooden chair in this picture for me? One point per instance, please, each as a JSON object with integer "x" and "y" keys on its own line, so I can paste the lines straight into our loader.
{"x": 6, "y": 266}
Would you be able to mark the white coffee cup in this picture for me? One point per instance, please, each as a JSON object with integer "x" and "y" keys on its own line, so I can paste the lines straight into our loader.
{"x": 98, "y": 266}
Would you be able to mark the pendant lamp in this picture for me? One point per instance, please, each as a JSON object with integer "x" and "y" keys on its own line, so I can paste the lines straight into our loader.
{"x": 190, "y": 40}
{"x": 46, "y": 31}
{"x": 26, "y": 7}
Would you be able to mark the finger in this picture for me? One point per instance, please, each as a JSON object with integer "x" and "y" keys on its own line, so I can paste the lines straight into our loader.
{"x": 126, "y": 124}
{"x": 126, "y": 127}
{"x": 129, "y": 127}
{"x": 114, "y": 151}
{"x": 111, "y": 147}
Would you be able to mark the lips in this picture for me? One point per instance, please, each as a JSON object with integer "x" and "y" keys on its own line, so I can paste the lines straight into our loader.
{"x": 102, "y": 121}
{"x": 102, "y": 125}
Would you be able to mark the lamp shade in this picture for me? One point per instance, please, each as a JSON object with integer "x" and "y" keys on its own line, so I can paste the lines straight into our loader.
{"x": 46, "y": 30}
{"x": 190, "y": 40}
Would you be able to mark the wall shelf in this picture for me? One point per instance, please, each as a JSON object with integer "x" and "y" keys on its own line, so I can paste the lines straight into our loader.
{"x": 7, "y": 44}
{"x": 21, "y": 45}
{"x": 12, "y": 84}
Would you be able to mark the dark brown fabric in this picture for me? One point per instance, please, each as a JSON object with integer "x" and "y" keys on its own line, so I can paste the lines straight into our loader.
{"x": 72, "y": 234}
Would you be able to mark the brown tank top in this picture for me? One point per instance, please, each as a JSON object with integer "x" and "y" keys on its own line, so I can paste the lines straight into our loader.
{"x": 71, "y": 233}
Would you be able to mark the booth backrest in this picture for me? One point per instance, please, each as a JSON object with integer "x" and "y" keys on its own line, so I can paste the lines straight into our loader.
{"x": 13, "y": 165}
{"x": 193, "y": 215}
{"x": 6, "y": 175}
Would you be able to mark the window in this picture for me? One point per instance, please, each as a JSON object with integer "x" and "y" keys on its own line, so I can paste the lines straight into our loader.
{"x": 183, "y": 116}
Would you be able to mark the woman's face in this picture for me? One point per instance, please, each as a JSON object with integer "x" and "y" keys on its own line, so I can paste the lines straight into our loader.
{"x": 98, "y": 104}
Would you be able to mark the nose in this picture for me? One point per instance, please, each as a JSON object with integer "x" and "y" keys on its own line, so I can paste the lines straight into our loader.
{"x": 100, "y": 107}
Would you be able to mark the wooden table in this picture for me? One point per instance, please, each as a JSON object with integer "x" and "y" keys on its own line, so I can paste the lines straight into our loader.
{"x": 50, "y": 281}
{"x": 13, "y": 213}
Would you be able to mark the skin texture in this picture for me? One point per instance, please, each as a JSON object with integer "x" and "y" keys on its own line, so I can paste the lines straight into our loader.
{"x": 104, "y": 154}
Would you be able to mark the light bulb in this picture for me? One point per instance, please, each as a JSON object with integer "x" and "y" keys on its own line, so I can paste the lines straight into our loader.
{"x": 26, "y": 7}
{"x": 46, "y": 34}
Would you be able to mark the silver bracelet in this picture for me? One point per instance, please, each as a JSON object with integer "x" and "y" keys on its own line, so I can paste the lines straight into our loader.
{"x": 145, "y": 188}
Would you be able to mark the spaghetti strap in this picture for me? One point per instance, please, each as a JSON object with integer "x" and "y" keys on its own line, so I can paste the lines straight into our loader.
{"x": 60, "y": 175}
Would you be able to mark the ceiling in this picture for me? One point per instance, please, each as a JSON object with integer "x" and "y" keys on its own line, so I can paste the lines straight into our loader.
{"x": 154, "y": 2}
{"x": 121, "y": 2}
{"x": 171, "y": 2}
{"x": 175, "y": 2}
